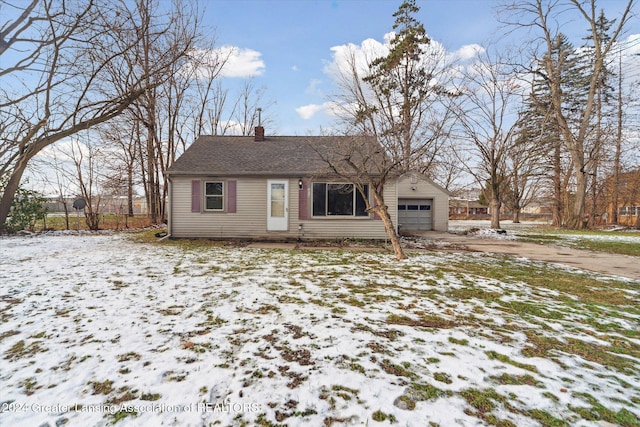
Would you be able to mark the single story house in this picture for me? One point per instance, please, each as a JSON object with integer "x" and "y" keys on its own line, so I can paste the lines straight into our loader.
{"x": 281, "y": 188}
{"x": 466, "y": 207}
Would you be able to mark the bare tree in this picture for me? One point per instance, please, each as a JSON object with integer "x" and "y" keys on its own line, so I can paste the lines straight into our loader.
{"x": 85, "y": 154}
{"x": 544, "y": 16}
{"x": 487, "y": 121}
{"x": 123, "y": 164}
{"x": 525, "y": 168}
{"x": 361, "y": 160}
{"x": 63, "y": 80}
{"x": 398, "y": 105}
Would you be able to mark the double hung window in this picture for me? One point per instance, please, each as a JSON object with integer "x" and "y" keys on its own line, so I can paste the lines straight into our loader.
{"x": 214, "y": 195}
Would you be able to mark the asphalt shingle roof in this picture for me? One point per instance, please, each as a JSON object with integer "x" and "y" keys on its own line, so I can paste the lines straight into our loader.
{"x": 243, "y": 156}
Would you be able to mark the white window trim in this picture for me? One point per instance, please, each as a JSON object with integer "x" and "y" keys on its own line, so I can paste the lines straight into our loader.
{"x": 205, "y": 195}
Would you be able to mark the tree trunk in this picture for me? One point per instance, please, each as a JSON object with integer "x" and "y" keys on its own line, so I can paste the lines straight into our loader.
{"x": 66, "y": 212}
{"x": 130, "y": 190}
{"x": 495, "y": 212}
{"x": 557, "y": 187}
{"x": 616, "y": 160}
{"x": 576, "y": 219}
{"x": 10, "y": 191}
{"x": 382, "y": 210}
{"x": 516, "y": 215}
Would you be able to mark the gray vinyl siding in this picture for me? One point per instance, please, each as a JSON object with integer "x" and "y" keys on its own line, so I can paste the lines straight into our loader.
{"x": 426, "y": 189}
{"x": 250, "y": 219}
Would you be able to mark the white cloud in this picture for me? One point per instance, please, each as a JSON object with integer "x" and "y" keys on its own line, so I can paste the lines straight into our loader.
{"x": 468, "y": 51}
{"x": 360, "y": 55}
{"x": 295, "y": 68}
{"x": 434, "y": 59}
{"x": 313, "y": 87}
{"x": 308, "y": 111}
{"x": 330, "y": 108}
{"x": 226, "y": 61}
{"x": 241, "y": 62}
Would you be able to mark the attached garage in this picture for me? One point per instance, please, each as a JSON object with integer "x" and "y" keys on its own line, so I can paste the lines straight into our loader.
{"x": 415, "y": 214}
{"x": 423, "y": 205}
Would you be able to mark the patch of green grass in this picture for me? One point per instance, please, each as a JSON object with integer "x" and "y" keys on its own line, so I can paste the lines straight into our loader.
{"x": 597, "y": 411}
{"x": 104, "y": 387}
{"x": 539, "y": 238}
{"x": 132, "y": 355}
{"x": 380, "y": 416}
{"x": 469, "y": 292}
{"x": 545, "y": 346}
{"x": 588, "y": 288}
{"x": 174, "y": 376}
{"x": 338, "y": 310}
{"x": 508, "y": 379}
{"x": 422, "y": 391}
{"x": 443, "y": 377}
{"x": 356, "y": 367}
{"x": 397, "y": 370}
{"x": 20, "y": 349}
{"x": 390, "y": 334}
{"x": 290, "y": 299}
{"x": 30, "y": 386}
{"x": 306, "y": 413}
{"x": 463, "y": 341}
{"x": 405, "y": 402}
{"x": 343, "y": 392}
{"x": 546, "y": 419}
{"x": 537, "y": 310}
{"x": 152, "y": 397}
{"x": 8, "y": 334}
{"x": 581, "y": 240}
{"x": 494, "y": 355}
{"x": 125, "y": 395}
{"x": 482, "y": 400}
{"x": 424, "y": 321}
{"x": 622, "y": 248}
{"x": 267, "y": 308}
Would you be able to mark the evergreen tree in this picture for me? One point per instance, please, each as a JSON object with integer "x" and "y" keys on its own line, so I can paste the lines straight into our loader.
{"x": 539, "y": 121}
{"x": 404, "y": 116}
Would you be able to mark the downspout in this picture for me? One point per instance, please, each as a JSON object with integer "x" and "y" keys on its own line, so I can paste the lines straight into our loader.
{"x": 170, "y": 210}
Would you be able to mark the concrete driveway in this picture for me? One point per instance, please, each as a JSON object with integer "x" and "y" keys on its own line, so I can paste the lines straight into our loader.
{"x": 617, "y": 265}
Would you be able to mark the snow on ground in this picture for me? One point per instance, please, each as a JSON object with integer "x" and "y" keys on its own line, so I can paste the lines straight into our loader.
{"x": 456, "y": 226}
{"x": 98, "y": 330}
{"x": 481, "y": 229}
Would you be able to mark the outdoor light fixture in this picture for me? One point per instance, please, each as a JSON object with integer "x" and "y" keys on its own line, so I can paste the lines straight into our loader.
{"x": 300, "y": 183}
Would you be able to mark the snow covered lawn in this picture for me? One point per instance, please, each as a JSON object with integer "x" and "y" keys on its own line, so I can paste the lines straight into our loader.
{"x": 99, "y": 330}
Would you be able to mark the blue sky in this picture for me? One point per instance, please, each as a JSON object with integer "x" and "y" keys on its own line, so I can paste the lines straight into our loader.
{"x": 286, "y": 45}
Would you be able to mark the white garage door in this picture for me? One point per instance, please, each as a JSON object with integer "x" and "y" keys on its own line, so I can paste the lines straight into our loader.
{"x": 415, "y": 214}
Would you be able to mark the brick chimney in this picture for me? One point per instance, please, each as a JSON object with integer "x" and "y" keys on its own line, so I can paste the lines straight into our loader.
{"x": 259, "y": 134}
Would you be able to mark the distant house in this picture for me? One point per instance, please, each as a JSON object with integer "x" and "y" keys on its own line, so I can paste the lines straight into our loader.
{"x": 628, "y": 203}
{"x": 466, "y": 208}
{"x": 280, "y": 188}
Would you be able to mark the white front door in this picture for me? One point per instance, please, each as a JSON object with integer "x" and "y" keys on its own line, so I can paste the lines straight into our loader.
{"x": 278, "y": 205}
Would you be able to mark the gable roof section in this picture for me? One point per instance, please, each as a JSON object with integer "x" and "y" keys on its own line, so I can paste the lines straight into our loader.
{"x": 424, "y": 177}
{"x": 243, "y": 156}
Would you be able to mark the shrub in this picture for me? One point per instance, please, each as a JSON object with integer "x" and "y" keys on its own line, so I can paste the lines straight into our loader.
{"x": 27, "y": 208}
